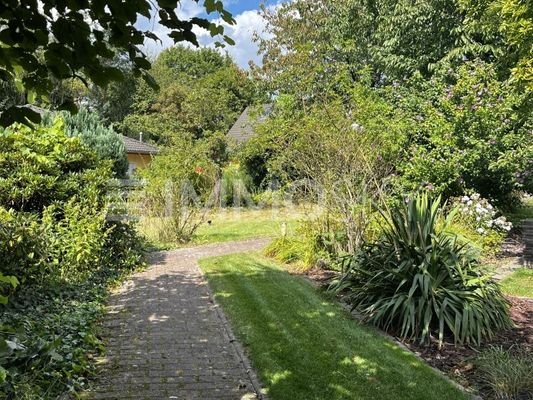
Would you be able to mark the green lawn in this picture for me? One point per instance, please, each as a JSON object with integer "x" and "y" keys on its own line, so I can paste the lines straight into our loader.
{"x": 519, "y": 283}
{"x": 229, "y": 224}
{"x": 305, "y": 346}
{"x": 239, "y": 224}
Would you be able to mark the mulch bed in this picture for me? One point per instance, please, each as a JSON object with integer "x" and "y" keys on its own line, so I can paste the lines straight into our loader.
{"x": 457, "y": 361}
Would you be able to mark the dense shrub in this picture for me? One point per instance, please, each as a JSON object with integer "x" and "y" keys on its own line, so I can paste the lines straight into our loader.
{"x": 417, "y": 280}
{"x": 102, "y": 139}
{"x": 58, "y": 256}
{"x": 179, "y": 191}
{"x": 469, "y": 132}
{"x": 49, "y": 335}
{"x": 41, "y": 166}
{"x": 52, "y": 203}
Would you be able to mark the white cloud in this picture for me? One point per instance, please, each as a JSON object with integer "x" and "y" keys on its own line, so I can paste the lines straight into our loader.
{"x": 189, "y": 9}
{"x": 247, "y": 23}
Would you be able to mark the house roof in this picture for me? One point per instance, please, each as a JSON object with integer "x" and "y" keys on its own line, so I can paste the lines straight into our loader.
{"x": 243, "y": 129}
{"x": 135, "y": 146}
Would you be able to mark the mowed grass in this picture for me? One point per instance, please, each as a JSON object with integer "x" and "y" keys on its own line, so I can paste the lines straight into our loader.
{"x": 245, "y": 223}
{"x": 305, "y": 346}
{"x": 230, "y": 224}
{"x": 519, "y": 283}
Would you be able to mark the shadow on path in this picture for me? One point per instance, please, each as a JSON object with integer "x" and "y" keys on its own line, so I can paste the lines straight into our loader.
{"x": 165, "y": 337}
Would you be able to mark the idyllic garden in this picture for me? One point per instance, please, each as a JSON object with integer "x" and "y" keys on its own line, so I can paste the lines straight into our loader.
{"x": 385, "y": 170}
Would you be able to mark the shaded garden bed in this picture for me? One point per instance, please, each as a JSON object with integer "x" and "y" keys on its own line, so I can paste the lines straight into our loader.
{"x": 458, "y": 362}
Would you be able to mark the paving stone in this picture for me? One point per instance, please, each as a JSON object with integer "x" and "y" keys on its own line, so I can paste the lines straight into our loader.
{"x": 166, "y": 339}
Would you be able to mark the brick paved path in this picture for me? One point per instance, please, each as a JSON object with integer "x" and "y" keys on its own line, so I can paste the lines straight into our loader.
{"x": 167, "y": 340}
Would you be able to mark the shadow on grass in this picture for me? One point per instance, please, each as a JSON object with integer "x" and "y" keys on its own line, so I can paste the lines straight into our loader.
{"x": 306, "y": 347}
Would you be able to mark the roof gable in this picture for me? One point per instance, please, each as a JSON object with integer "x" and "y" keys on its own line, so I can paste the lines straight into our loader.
{"x": 135, "y": 146}
{"x": 243, "y": 129}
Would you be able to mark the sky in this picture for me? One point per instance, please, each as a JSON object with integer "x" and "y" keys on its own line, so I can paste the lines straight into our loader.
{"x": 245, "y": 12}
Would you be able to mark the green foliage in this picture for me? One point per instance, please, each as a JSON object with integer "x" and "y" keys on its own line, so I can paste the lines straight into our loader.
{"x": 360, "y": 135}
{"x": 417, "y": 280}
{"x": 23, "y": 248}
{"x": 6, "y": 280}
{"x": 48, "y": 41}
{"x": 52, "y": 204}
{"x": 321, "y": 155}
{"x": 521, "y": 212}
{"x": 510, "y": 21}
{"x": 469, "y": 133}
{"x": 114, "y": 101}
{"x": 315, "y": 240}
{"x": 201, "y": 92}
{"x": 75, "y": 234}
{"x": 298, "y": 251}
{"x": 42, "y": 165}
{"x": 58, "y": 256}
{"x": 319, "y": 48}
{"x": 103, "y": 140}
{"x": 178, "y": 190}
{"x": 508, "y": 373}
{"x": 9, "y": 96}
{"x": 235, "y": 186}
{"x": 49, "y": 335}
{"x": 454, "y": 72}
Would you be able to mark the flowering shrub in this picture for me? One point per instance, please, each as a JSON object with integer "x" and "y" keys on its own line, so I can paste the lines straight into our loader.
{"x": 478, "y": 222}
{"x": 467, "y": 134}
{"x": 481, "y": 216}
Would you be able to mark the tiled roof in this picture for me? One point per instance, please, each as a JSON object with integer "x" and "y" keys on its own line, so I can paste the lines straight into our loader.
{"x": 243, "y": 129}
{"x": 137, "y": 147}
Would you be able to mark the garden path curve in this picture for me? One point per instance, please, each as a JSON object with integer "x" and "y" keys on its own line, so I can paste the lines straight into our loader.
{"x": 167, "y": 339}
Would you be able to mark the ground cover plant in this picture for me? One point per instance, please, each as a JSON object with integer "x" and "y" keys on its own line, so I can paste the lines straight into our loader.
{"x": 305, "y": 346}
{"x": 508, "y": 373}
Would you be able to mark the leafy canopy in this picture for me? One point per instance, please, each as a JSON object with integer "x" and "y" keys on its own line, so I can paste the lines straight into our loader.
{"x": 48, "y": 40}
{"x": 201, "y": 92}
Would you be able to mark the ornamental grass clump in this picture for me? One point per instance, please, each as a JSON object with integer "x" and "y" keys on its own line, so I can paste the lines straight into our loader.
{"x": 418, "y": 280}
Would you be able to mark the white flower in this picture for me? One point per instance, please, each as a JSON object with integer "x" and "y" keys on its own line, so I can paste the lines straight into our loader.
{"x": 469, "y": 202}
{"x": 481, "y": 231}
{"x": 475, "y": 196}
{"x": 465, "y": 199}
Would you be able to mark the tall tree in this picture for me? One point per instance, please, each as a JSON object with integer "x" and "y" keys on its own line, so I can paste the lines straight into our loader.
{"x": 201, "y": 92}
